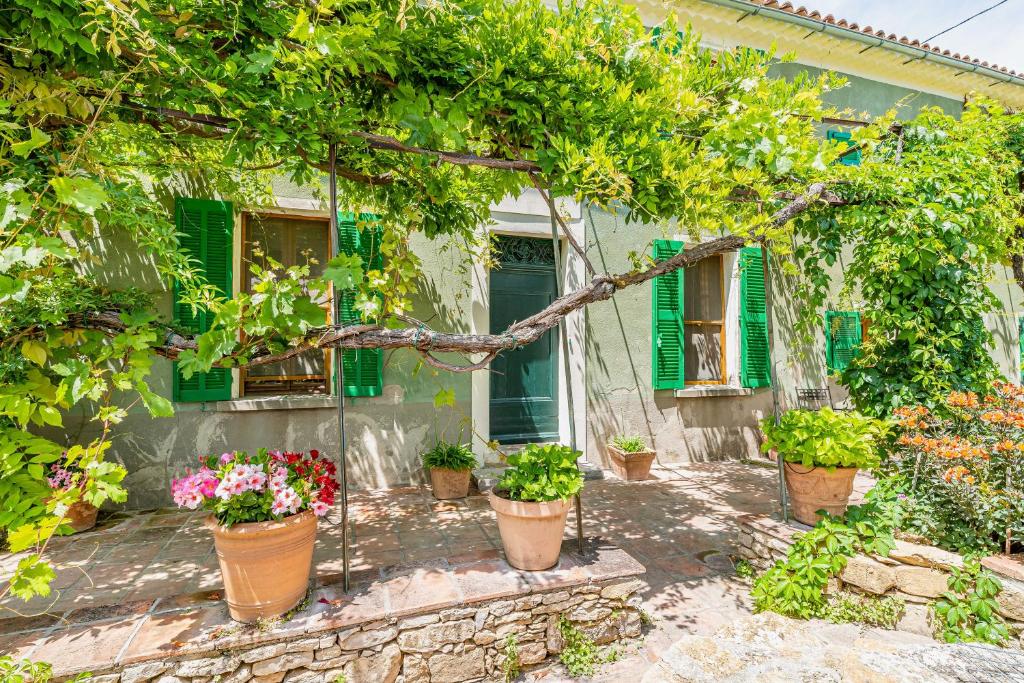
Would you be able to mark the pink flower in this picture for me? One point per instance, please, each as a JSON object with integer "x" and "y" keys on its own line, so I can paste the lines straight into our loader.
{"x": 225, "y": 458}
{"x": 319, "y": 508}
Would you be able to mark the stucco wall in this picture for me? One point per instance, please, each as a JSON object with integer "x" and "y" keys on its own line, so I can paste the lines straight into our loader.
{"x": 386, "y": 434}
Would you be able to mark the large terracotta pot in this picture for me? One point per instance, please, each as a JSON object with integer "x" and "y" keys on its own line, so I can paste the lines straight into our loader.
{"x": 631, "y": 466}
{"x": 448, "y": 484}
{"x": 81, "y": 516}
{"x": 265, "y": 565}
{"x": 530, "y": 532}
{"x": 816, "y": 489}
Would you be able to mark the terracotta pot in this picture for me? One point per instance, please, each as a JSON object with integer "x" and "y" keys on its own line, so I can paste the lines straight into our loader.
{"x": 81, "y": 516}
{"x": 265, "y": 565}
{"x": 448, "y": 484}
{"x": 818, "y": 489}
{"x": 631, "y": 466}
{"x": 530, "y": 532}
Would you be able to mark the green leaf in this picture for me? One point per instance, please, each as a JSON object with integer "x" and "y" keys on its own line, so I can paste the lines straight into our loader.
{"x": 34, "y": 350}
{"x": 444, "y": 397}
{"x": 345, "y": 271}
{"x": 32, "y": 577}
{"x": 37, "y": 139}
{"x": 80, "y": 192}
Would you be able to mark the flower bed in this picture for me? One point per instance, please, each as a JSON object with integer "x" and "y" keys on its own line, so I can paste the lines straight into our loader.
{"x": 960, "y": 468}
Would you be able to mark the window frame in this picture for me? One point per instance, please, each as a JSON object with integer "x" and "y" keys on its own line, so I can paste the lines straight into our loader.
{"x": 243, "y": 270}
{"x": 723, "y": 337}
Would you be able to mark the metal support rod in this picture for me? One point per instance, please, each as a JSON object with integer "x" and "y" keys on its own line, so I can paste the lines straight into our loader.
{"x": 564, "y": 333}
{"x": 773, "y": 375}
{"x": 339, "y": 373}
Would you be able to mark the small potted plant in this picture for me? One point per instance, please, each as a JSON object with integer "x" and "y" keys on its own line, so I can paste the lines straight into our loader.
{"x": 531, "y": 502}
{"x": 449, "y": 465}
{"x": 67, "y": 477}
{"x": 822, "y": 451}
{"x": 263, "y": 515}
{"x": 631, "y": 458}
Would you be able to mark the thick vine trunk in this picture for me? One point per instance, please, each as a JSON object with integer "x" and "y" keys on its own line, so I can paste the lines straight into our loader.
{"x": 428, "y": 341}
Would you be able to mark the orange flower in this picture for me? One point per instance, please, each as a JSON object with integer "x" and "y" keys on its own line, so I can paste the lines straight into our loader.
{"x": 958, "y": 474}
{"x": 994, "y": 416}
{"x": 962, "y": 399}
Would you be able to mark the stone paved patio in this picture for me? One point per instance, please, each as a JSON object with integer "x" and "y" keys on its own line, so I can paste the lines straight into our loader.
{"x": 680, "y": 525}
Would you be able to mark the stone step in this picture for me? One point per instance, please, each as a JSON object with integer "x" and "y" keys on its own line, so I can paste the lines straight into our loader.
{"x": 486, "y": 477}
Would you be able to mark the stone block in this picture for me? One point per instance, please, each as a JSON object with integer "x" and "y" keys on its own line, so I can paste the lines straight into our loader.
{"x": 140, "y": 673}
{"x": 207, "y": 666}
{"x": 415, "y": 669}
{"x": 915, "y": 619}
{"x": 327, "y": 641}
{"x": 383, "y": 667}
{"x": 457, "y": 668}
{"x": 265, "y": 652}
{"x": 282, "y": 663}
{"x": 589, "y": 612}
{"x": 336, "y": 663}
{"x": 269, "y": 678}
{"x": 303, "y": 676}
{"x": 361, "y": 640}
{"x": 457, "y": 613}
{"x": 432, "y": 637}
{"x": 484, "y": 637}
{"x": 532, "y": 653}
{"x": 869, "y": 575}
{"x": 240, "y": 675}
{"x": 1011, "y": 600}
{"x": 328, "y": 652}
{"x": 167, "y": 678}
{"x": 621, "y": 589}
{"x": 418, "y": 621}
{"x": 924, "y": 556}
{"x": 922, "y": 581}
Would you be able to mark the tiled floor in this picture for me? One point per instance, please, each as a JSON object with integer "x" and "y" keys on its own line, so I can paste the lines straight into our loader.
{"x": 679, "y": 525}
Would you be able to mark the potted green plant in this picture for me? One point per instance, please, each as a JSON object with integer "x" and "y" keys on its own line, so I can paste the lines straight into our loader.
{"x": 449, "y": 465}
{"x": 630, "y": 457}
{"x": 822, "y": 451}
{"x": 531, "y": 502}
{"x": 263, "y": 516}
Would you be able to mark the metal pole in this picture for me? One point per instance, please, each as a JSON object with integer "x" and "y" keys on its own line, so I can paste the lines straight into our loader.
{"x": 773, "y": 375}
{"x": 563, "y": 332}
{"x": 339, "y": 373}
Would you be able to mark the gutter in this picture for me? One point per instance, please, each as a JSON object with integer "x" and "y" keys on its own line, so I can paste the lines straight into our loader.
{"x": 917, "y": 54}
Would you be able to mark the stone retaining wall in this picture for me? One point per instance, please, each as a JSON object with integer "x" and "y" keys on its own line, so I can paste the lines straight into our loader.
{"x": 449, "y": 646}
{"x": 916, "y": 573}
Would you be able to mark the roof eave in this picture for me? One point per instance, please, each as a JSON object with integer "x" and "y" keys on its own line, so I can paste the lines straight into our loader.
{"x": 752, "y": 9}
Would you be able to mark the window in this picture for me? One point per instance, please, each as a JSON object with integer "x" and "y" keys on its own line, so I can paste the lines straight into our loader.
{"x": 689, "y": 320}
{"x": 851, "y": 159}
{"x": 291, "y": 241}
{"x": 843, "y": 336}
{"x": 704, "y": 322}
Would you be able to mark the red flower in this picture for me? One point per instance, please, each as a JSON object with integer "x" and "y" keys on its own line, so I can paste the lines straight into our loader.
{"x": 314, "y": 454}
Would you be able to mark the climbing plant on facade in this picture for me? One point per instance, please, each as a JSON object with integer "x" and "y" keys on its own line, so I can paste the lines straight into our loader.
{"x": 925, "y": 219}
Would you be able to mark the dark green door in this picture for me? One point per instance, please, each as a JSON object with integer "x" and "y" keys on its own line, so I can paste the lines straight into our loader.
{"x": 524, "y": 382}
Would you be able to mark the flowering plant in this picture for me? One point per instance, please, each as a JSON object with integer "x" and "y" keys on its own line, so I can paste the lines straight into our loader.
{"x": 963, "y": 467}
{"x": 237, "y": 487}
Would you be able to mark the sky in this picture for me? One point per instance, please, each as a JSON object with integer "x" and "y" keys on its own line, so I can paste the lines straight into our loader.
{"x": 996, "y": 36}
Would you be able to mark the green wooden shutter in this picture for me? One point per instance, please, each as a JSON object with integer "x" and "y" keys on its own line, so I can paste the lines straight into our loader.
{"x": 362, "y": 367}
{"x": 852, "y": 159}
{"x": 755, "y": 368}
{"x": 842, "y": 339}
{"x": 667, "y": 321}
{"x": 206, "y": 233}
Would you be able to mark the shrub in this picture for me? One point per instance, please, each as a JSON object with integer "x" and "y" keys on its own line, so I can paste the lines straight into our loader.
{"x": 237, "y": 487}
{"x": 962, "y": 469}
{"x": 825, "y": 438}
{"x": 541, "y": 473}
{"x": 629, "y": 444}
{"x": 450, "y": 456}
